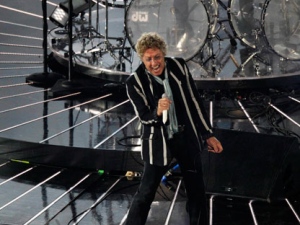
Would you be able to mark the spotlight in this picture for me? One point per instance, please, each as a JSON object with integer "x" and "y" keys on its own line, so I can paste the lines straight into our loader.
{"x": 59, "y": 17}
{"x": 60, "y": 14}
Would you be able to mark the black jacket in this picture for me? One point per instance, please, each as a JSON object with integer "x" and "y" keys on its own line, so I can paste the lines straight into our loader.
{"x": 143, "y": 93}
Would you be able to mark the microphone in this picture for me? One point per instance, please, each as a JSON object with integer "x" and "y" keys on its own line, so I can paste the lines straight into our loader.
{"x": 165, "y": 112}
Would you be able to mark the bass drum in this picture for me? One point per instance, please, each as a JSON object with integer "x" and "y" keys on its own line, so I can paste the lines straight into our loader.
{"x": 281, "y": 21}
{"x": 184, "y": 24}
{"x": 245, "y": 19}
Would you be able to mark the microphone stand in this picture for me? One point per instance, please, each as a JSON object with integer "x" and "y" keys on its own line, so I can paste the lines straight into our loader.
{"x": 44, "y": 79}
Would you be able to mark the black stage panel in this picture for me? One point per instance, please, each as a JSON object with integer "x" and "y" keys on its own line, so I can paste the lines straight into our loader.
{"x": 253, "y": 165}
{"x": 70, "y": 157}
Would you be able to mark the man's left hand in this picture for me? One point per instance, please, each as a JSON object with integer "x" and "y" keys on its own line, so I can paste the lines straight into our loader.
{"x": 214, "y": 145}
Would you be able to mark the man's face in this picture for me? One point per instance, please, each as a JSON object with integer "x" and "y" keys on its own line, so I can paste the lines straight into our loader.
{"x": 154, "y": 61}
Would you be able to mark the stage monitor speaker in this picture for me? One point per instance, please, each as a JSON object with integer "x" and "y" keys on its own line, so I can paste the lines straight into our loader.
{"x": 252, "y": 165}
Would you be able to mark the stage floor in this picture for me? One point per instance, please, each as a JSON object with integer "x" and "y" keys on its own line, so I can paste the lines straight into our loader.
{"x": 51, "y": 195}
{"x": 65, "y": 151}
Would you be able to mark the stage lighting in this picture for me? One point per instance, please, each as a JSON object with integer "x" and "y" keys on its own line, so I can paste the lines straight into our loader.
{"x": 59, "y": 17}
{"x": 60, "y": 14}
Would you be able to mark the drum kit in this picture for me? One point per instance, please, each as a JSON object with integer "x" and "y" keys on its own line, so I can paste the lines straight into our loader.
{"x": 254, "y": 37}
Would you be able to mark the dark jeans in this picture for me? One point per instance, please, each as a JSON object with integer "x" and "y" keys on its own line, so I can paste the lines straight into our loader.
{"x": 191, "y": 169}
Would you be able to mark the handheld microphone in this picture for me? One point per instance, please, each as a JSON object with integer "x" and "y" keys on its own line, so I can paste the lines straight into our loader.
{"x": 165, "y": 112}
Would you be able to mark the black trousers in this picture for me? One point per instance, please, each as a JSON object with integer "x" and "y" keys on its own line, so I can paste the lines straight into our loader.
{"x": 191, "y": 169}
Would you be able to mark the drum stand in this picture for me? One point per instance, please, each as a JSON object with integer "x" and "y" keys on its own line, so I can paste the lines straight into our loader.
{"x": 241, "y": 67}
{"x": 210, "y": 47}
{"x": 98, "y": 50}
{"x": 108, "y": 46}
{"x": 230, "y": 48}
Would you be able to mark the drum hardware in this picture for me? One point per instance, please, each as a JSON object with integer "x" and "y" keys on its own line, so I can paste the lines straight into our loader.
{"x": 248, "y": 60}
{"x": 87, "y": 31}
{"x": 106, "y": 46}
{"x": 208, "y": 63}
{"x": 174, "y": 35}
{"x": 251, "y": 37}
{"x": 213, "y": 17}
{"x": 232, "y": 38}
{"x": 229, "y": 35}
{"x": 226, "y": 56}
{"x": 79, "y": 8}
{"x": 92, "y": 49}
{"x": 257, "y": 62}
{"x": 140, "y": 16}
{"x": 273, "y": 26}
{"x": 256, "y": 68}
{"x": 90, "y": 29}
{"x": 245, "y": 21}
{"x": 123, "y": 52}
{"x": 213, "y": 56}
{"x": 235, "y": 62}
{"x": 256, "y": 33}
{"x": 215, "y": 61}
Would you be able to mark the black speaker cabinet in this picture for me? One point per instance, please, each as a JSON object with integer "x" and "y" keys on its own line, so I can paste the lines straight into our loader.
{"x": 253, "y": 165}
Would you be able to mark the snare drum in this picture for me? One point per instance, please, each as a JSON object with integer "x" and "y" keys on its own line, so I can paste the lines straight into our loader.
{"x": 281, "y": 20}
{"x": 184, "y": 24}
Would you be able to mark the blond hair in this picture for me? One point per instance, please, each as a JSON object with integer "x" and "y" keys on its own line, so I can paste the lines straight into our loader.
{"x": 150, "y": 40}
